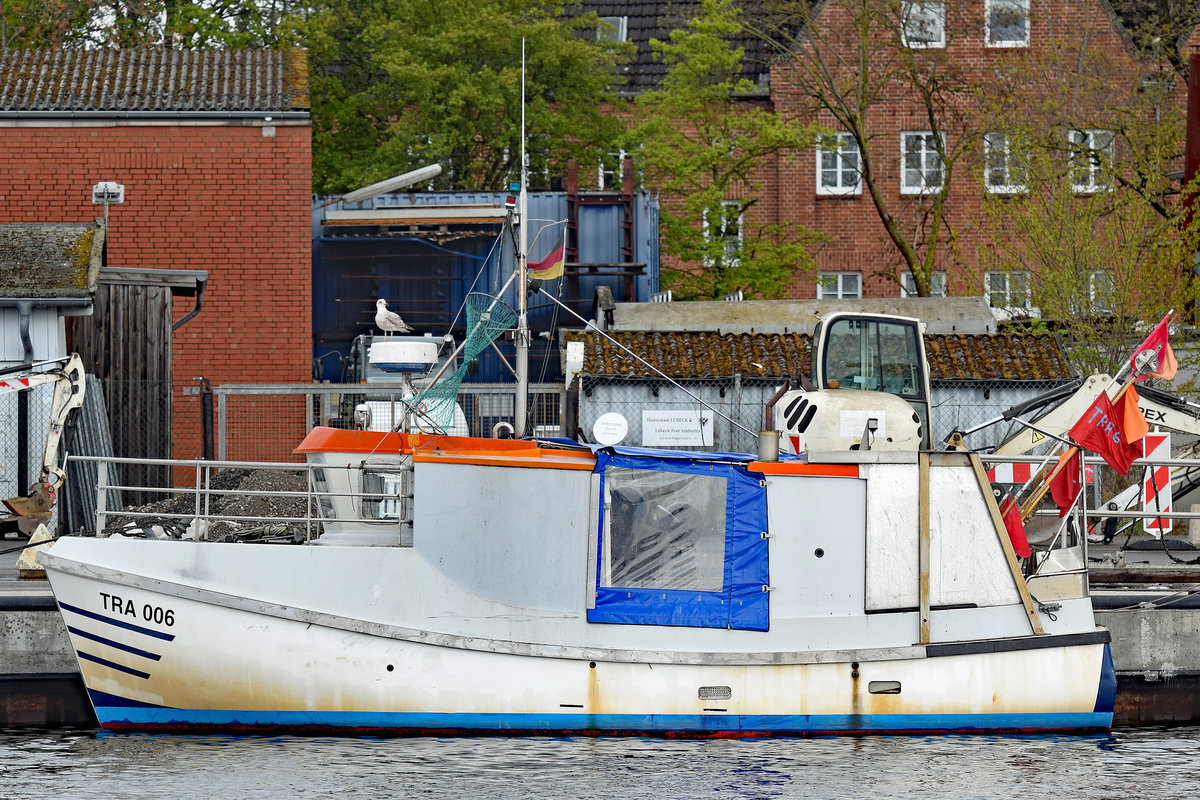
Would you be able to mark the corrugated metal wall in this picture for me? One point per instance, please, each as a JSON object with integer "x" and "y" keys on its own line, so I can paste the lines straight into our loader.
{"x": 426, "y": 278}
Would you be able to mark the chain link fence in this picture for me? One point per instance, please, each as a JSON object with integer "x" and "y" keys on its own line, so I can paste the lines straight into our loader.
{"x": 964, "y": 405}
{"x": 24, "y": 419}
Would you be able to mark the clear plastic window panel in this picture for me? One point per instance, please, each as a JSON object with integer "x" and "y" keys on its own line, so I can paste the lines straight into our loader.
{"x": 381, "y": 495}
{"x": 663, "y": 530}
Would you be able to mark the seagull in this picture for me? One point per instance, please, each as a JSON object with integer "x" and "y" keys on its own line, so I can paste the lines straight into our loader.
{"x": 389, "y": 321}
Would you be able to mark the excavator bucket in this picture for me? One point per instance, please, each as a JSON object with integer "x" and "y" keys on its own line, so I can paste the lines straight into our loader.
{"x": 37, "y": 503}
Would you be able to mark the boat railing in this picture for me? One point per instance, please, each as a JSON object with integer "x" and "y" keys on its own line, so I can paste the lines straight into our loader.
{"x": 201, "y": 514}
{"x": 1095, "y": 503}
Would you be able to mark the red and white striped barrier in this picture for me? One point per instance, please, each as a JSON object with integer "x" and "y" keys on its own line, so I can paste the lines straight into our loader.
{"x": 1157, "y": 482}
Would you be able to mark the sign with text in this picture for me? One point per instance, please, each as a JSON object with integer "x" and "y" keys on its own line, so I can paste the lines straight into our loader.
{"x": 677, "y": 428}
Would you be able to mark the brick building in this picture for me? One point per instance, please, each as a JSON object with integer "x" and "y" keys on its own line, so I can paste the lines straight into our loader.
{"x": 213, "y": 149}
{"x": 1070, "y": 62}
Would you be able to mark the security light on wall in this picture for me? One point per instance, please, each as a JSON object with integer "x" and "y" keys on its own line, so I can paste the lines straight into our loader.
{"x": 108, "y": 193}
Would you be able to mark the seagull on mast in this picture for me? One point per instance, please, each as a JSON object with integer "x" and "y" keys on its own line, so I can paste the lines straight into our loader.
{"x": 389, "y": 321}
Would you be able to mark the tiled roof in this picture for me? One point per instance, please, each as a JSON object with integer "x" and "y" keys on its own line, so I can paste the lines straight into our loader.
{"x": 656, "y": 20}
{"x": 153, "y": 80}
{"x": 49, "y": 259}
{"x": 952, "y": 357}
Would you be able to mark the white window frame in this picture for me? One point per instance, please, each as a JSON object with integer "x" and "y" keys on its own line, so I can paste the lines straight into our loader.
{"x": 733, "y": 259}
{"x": 1001, "y": 156}
{"x": 1022, "y": 279}
{"x": 908, "y": 284}
{"x": 842, "y": 151}
{"x": 914, "y": 14}
{"x": 1020, "y": 7}
{"x": 1101, "y": 288}
{"x": 1098, "y": 146}
{"x": 619, "y": 32}
{"x": 930, "y": 160}
{"x": 833, "y": 285}
{"x": 605, "y": 176}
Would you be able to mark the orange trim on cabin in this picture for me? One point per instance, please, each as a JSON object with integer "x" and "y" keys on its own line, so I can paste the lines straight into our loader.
{"x": 803, "y": 468}
{"x": 541, "y": 459}
{"x": 445, "y": 449}
{"x": 337, "y": 440}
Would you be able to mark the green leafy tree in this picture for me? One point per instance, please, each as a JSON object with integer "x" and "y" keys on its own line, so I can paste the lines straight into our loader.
{"x": 399, "y": 85}
{"x": 704, "y": 137}
{"x": 147, "y": 23}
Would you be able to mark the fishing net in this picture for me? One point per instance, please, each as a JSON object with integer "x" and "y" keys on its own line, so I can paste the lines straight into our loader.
{"x": 488, "y": 318}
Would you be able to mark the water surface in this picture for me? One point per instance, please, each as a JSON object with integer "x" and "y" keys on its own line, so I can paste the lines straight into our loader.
{"x": 1129, "y": 764}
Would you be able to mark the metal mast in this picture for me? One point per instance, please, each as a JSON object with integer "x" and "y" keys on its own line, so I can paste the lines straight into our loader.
{"x": 522, "y": 334}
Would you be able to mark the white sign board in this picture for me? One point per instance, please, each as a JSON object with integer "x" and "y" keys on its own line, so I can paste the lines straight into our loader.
{"x": 610, "y": 428}
{"x": 677, "y": 428}
{"x": 854, "y": 421}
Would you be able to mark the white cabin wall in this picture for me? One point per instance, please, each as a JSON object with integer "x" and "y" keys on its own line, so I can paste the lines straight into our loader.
{"x": 966, "y": 561}
{"x": 807, "y": 514}
{"x": 516, "y": 536}
{"x": 893, "y": 564}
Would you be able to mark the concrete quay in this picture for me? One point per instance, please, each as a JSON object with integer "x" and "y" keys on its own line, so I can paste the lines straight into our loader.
{"x": 1153, "y": 612}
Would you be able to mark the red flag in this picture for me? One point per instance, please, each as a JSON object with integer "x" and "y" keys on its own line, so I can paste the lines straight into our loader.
{"x": 1011, "y": 513}
{"x": 1065, "y": 486}
{"x": 1099, "y": 430}
{"x": 549, "y": 267}
{"x": 1155, "y": 354}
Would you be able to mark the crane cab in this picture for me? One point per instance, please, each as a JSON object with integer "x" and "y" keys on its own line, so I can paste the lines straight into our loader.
{"x": 870, "y": 387}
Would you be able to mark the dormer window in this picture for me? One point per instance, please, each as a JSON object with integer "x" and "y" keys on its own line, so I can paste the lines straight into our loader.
{"x": 613, "y": 29}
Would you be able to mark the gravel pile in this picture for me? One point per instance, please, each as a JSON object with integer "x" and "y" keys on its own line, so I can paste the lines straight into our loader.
{"x": 269, "y": 509}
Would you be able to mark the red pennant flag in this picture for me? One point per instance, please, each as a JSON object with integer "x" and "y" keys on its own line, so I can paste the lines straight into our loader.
{"x": 1065, "y": 486}
{"x": 1155, "y": 354}
{"x": 1011, "y": 513}
{"x": 1099, "y": 430}
{"x": 1133, "y": 423}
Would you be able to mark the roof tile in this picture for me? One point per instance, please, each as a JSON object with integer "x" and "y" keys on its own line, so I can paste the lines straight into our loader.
{"x": 952, "y": 357}
{"x": 153, "y": 80}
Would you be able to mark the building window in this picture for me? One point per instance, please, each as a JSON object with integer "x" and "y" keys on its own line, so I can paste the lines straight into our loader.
{"x": 1007, "y": 23}
{"x": 838, "y": 165}
{"x": 1091, "y": 160}
{"x": 920, "y": 163}
{"x": 1007, "y": 289}
{"x": 1101, "y": 290}
{"x": 937, "y": 284}
{"x": 613, "y": 29}
{"x": 608, "y": 176}
{"x": 1005, "y": 165}
{"x": 724, "y": 239}
{"x": 839, "y": 286}
{"x": 923, "y": 23}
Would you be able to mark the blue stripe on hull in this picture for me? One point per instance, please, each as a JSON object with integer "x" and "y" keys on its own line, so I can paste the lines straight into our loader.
{"x": 153, "y": 718}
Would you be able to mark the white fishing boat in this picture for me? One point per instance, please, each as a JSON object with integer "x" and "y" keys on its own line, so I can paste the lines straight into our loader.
{"x": 466, "y": 585}
{"x": 859, "y": 582}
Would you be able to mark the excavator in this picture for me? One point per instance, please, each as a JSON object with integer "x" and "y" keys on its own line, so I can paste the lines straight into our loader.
{"x": 1038, "y": 420}
{"x": 67, "y": 375}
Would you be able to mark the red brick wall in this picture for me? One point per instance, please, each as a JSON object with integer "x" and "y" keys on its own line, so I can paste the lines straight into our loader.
{"x": 225, "y": 198}
{"x": 857, "y": 239}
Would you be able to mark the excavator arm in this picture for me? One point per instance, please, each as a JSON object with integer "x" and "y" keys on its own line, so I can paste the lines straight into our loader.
{"x": 1161, "y": 409}
{"x": 69, "y": 385}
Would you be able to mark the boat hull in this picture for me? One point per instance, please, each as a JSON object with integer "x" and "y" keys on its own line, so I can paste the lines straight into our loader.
{"x": 159, "y": 661}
